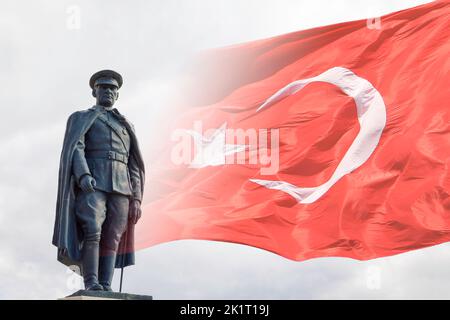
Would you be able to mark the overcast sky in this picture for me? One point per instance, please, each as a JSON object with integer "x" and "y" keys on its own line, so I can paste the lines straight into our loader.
{"x": 48, "y": 51}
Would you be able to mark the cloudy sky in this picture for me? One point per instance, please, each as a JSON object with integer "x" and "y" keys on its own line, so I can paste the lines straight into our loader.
{"x": 48, "y": 51}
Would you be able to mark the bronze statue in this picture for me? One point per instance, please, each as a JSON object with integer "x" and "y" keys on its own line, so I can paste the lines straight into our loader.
{"x": 100, "y": 187}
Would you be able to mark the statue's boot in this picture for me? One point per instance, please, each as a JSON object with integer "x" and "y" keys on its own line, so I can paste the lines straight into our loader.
{"x": 90, "y": 266}
{"x": 106, "y": 271}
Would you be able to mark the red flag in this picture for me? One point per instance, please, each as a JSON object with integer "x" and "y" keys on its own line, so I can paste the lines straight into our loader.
{"x": 333, "y": 141}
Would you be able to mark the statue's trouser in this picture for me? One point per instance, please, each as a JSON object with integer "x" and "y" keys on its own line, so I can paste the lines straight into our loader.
{"x": 103, "y": 218}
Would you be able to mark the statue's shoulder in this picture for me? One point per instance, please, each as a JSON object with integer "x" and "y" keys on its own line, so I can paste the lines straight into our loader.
{"x": 77, "y": 115}
{"x": 123, "y": 118}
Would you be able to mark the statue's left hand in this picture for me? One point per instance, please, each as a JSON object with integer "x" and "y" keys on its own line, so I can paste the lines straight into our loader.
{"x": 135, "y": 211}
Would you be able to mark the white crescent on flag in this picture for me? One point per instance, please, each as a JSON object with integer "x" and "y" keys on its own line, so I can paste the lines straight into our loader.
{"x": 371, "y": 112}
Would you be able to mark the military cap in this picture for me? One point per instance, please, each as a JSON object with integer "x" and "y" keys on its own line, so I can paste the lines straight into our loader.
{"x": 106, "y": 77}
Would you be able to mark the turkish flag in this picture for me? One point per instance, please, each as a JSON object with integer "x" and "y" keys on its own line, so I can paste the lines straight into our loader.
{"x": 333, "y": 141}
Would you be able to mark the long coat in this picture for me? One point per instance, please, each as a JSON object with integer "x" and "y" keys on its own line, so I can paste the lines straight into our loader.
{"x": 67, "y": 235}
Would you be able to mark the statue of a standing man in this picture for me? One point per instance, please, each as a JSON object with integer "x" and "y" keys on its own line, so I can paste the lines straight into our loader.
{"x": 100, "y": 187}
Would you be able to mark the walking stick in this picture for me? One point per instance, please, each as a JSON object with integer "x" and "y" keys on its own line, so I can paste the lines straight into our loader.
{"x": 121, "y": 279}
{"x": 121, "y": 271}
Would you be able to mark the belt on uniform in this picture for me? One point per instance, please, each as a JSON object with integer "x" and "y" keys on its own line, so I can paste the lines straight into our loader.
{"x": 111, "y": 155}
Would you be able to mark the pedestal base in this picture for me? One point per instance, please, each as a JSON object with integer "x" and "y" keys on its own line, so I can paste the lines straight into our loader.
{"x": 105, "y": 295}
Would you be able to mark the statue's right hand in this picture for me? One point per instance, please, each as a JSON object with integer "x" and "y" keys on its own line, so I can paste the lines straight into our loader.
{"x": 87, "y": 183}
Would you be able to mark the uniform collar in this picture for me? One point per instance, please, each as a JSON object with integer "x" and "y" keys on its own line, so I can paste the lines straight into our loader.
{"x": 112, "y": 110}
{"x": 104, "y": 110}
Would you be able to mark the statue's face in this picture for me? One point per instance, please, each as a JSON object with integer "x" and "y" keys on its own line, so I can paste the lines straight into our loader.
{"x": 106, "y": 95}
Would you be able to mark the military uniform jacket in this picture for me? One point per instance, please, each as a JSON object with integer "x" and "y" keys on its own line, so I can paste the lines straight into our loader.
{"x": 67, "y": 235}
{"x": 103, "y": 153}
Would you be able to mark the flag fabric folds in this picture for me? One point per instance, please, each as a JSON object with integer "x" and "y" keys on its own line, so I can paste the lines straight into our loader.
{"x": 353, "y": 125}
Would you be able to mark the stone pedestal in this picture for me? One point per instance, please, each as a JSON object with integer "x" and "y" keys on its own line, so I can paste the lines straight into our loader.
{"x": 104, "y": 295}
